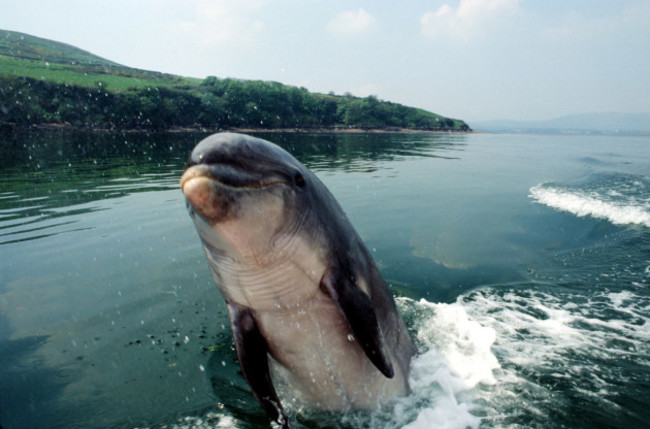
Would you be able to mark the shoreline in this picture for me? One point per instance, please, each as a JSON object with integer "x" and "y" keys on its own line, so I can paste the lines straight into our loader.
{"x": 344, "y": 130}
{"x": 199, "y": 129}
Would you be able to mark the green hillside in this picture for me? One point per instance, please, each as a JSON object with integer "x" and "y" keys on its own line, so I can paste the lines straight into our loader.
{"x": 20, "y": 45}
{"x": 47, "y": 82}
{"x": 22, "y": 55}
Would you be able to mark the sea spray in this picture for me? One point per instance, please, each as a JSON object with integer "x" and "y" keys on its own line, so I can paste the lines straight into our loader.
{"x": 454, "y": 363}
{"x": 455, "y": 359}
{"x": 555, "y": 344}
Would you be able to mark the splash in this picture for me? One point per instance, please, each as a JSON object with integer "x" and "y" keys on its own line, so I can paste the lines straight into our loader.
{"x": 211, "y": 420}
{"x": 455, "y": 360}
{"x": 553, "y": 347}
{"x": 506, "y": 357}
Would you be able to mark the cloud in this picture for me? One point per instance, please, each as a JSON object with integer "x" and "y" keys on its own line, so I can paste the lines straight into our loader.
{"x": 468, "y": 20}
{"x": 222, "y": 21}
{"x": 351, "y": 23}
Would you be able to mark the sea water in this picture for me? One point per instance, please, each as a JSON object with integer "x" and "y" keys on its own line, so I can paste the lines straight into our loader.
{"x": 521, "y": 264}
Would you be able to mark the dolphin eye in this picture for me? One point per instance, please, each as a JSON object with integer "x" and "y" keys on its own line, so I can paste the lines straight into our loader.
{"x": 299, "y": 180}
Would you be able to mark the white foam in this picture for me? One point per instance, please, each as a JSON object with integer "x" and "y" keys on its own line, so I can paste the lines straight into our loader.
{"x": 211, "y": 420}
{"x": 446, "y": 414}
{"x": 457, "y": 381}
{"x": 455, "y": 359}
{"x": 595, "y": 205}
{"x": 543, "y": 334}
{"x": 619, "y": 298}
{"x": 463, "y": 343}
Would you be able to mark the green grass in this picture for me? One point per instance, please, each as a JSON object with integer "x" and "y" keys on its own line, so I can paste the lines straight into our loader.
{"x": 22, "y": 55}
{"x": 113, "y": 79}
{"x": 23, "y": 45}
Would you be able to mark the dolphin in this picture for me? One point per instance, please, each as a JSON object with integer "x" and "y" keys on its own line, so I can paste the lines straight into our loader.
{"x": 308, "y": 307}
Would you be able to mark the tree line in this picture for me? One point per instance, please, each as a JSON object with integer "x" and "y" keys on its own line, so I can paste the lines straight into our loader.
{"x": 214, "y": 103}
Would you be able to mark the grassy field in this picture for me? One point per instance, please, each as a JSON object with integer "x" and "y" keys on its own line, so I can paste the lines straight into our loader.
{"x": 21, "y": 45}
{"x": 22, "y": 55}
{"x": 111, "y": 78}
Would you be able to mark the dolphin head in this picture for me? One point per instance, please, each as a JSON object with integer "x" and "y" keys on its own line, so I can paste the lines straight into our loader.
{"x": 243, "y": 194}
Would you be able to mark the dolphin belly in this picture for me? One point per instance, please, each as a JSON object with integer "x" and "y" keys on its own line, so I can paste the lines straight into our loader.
{"x": 321, "y": 361}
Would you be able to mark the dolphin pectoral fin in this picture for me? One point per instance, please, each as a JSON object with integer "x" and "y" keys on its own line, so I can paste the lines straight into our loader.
{"x": 356, "y": 308}
{"x": 252, "y": 352}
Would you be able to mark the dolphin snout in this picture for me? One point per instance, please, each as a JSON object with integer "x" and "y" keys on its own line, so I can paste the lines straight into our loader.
{"x": 200, "y": 191}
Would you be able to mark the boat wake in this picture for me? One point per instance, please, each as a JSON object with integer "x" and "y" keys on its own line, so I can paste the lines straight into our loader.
{"x": 619, "y": 199}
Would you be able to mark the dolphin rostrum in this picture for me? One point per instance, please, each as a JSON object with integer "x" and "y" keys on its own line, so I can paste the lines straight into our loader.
{"x": 300, "y": 285}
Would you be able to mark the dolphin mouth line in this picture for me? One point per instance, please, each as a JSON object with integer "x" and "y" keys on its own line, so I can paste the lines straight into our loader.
{"x": 230, "y": 181}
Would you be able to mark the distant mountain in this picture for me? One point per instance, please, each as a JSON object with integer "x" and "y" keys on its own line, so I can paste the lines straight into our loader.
{"x": 611, "y": 122}
{"x": 43, "y": 82}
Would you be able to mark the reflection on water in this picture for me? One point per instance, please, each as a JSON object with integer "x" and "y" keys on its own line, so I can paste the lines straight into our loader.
{"x": 365, "y": 152}
{"x": 24, "y": 377}
{"x": 48, "y": 176}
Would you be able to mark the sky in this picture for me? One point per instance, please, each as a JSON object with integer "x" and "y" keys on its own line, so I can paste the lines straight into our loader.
{"x": 475, "y": 60}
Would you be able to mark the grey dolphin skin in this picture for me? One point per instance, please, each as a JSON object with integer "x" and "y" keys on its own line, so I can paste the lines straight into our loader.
{"x": 300, "y": 286}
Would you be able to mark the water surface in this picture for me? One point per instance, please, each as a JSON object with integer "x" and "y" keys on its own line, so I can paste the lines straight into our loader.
{"x": 522, "y": 263}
